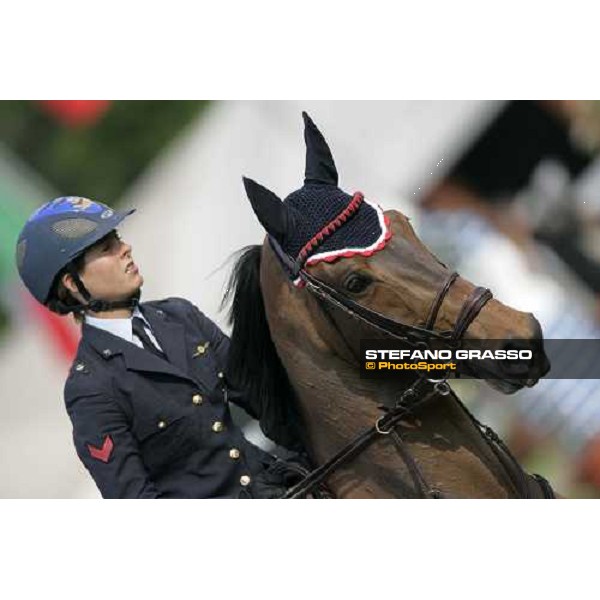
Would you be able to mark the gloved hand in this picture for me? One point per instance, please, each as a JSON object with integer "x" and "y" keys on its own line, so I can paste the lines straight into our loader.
{"x": 281, "y": 475}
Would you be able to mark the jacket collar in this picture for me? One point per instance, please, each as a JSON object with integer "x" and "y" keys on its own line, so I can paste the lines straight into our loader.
{"x": 169, "y": 334}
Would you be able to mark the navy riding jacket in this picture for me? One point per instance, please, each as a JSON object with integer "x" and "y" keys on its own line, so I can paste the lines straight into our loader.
{"x": 148, "y": 427}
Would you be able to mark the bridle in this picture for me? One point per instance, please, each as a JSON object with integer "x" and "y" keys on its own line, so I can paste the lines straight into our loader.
{"x": 414, "y": 397}
{"x": 410, "y": 334}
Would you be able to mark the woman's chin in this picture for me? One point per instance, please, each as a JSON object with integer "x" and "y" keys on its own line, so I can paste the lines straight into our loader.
{"x": 137, "y": 283}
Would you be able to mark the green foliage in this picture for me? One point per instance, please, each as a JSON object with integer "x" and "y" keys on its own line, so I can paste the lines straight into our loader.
{"x": 100, "y": 161}
{"x": 3, "y": 320}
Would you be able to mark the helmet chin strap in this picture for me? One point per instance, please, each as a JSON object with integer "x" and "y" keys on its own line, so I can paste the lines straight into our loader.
{"x": 96, "y": 304}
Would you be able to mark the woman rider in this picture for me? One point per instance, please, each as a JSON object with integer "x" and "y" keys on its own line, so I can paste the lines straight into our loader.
{"x": 146, "y": 393}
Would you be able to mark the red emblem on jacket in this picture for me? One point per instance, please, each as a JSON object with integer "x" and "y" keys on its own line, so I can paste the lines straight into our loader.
{"x": 103, "y": 453}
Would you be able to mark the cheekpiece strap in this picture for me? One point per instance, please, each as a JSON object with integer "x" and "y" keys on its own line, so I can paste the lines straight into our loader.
{"x": 290, "y": 266}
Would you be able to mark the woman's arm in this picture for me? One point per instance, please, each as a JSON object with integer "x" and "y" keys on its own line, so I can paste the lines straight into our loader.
{"x": 107, "y": 447}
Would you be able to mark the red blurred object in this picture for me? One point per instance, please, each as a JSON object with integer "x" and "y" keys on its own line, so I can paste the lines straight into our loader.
{"x": 63, "y": 332}
{"x": 588, "y": 468}
{"x": 76, "y": 113}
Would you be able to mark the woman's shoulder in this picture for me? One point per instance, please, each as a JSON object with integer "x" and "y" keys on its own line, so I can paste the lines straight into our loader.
{"x": 181, "y": 310}
{"x": 173, "y": 306}
{"x": 87, "y": 376}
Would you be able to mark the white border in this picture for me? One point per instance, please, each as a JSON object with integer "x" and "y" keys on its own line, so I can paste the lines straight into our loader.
{"x": 323, "y": 256}
{"x": 316, "y": 49}
{"x": 296, "y": 550}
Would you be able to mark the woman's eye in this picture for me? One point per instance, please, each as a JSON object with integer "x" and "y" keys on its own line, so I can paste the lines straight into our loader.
{"x": 110, "y": 243}
{"x": 356, "y": 283}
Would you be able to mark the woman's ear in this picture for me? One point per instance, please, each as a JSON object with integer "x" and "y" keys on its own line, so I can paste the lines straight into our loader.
{"x": 69, "y": 283}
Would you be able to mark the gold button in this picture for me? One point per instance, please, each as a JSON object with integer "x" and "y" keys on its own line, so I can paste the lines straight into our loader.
{"x": 217, "y": 426}
{"x": 200, "y": 350}
{"x": 245, "y": 480}
{"x": 197, "y": 399}
{"x": 161, "y": 424}
{"x": 234, "y": 453}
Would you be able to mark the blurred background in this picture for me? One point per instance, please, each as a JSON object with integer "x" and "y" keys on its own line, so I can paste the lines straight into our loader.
{"x": 508, "y": 193}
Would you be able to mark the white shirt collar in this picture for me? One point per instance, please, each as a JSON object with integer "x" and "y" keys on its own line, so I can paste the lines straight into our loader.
{"x": 120, "y": 327}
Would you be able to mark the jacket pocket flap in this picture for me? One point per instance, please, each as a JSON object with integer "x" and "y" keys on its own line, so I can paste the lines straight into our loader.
{"x": 150, "y": 425}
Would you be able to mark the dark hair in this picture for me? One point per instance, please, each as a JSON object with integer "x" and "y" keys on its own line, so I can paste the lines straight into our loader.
{"x": 60, "y": 298}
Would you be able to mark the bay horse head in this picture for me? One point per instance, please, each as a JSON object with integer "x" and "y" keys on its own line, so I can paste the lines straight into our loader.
{"x": 301, "y": 354}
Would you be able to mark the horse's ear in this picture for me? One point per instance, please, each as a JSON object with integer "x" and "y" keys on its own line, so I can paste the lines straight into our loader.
{"x": 272, "y": 213}
{"x": 320, "y": 167}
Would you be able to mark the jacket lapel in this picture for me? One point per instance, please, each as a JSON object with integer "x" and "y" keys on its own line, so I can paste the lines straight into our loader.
{"x": 170, "y": 336}
{"x": 136, "y": 359}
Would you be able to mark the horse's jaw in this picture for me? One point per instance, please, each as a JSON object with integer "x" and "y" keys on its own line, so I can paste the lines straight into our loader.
{"x": 508, "y": 386}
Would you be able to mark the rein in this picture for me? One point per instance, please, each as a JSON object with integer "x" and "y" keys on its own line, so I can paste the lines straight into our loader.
{"x": 412, "y": 398}
{"x": 383, "y": 426}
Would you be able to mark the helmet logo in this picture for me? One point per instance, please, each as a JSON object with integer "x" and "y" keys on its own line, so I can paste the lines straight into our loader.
{"x": 79, "y": 203}
{"x": 67, "y": 205}
{"x": 107, "y": 214}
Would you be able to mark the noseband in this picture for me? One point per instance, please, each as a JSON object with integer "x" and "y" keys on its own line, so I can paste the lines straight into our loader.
{"x": 419, "y": 393}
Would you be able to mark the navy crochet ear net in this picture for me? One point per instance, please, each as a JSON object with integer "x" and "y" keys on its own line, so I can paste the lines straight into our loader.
{"x": 319, "y": 221}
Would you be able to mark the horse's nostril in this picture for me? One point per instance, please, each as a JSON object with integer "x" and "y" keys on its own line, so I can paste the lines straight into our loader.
{"x": 541, "y": 364}
{"x": 516, "y": 363}
{"x": 519, "y": 363}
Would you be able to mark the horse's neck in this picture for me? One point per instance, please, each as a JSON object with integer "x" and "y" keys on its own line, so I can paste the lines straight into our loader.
{"x": 336, "y": 406}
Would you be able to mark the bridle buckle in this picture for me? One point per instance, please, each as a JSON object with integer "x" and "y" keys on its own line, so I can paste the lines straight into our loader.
{"x": 440, "y": 386}
{"x": 381, "y": 431}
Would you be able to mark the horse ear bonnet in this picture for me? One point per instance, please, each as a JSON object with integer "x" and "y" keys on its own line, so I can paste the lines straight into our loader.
{"x": 320, "y": 221}
{"x": 271, "y": 212}
{"x": 320, "y": 167}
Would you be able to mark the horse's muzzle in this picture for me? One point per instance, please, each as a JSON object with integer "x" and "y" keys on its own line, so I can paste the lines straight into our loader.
{"x": 528, "y": 372}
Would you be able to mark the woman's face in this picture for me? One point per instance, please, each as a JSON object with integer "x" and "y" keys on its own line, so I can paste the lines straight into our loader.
{"x": 109, "y": 271}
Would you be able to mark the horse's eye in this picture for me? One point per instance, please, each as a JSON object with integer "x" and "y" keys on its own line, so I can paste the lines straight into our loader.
{"x": 356, "y": 283}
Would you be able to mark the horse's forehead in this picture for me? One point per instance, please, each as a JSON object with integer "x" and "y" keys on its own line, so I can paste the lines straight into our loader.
{"x": 401, "y": 251}
{"x": 330, "y": 224}
{"x": 397, "y": 218}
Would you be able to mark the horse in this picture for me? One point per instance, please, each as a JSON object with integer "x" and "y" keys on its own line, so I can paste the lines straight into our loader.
{"x": 335, "y": 269}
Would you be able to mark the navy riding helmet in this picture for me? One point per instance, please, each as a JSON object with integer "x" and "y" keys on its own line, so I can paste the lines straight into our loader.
{"x": 56, "y": 234}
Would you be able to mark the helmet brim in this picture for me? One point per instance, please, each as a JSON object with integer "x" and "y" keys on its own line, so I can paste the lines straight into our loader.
{"x": 110, "y": 224}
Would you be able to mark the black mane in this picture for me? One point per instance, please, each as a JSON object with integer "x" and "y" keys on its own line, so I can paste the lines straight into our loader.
{"x": 253, "y": 364}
